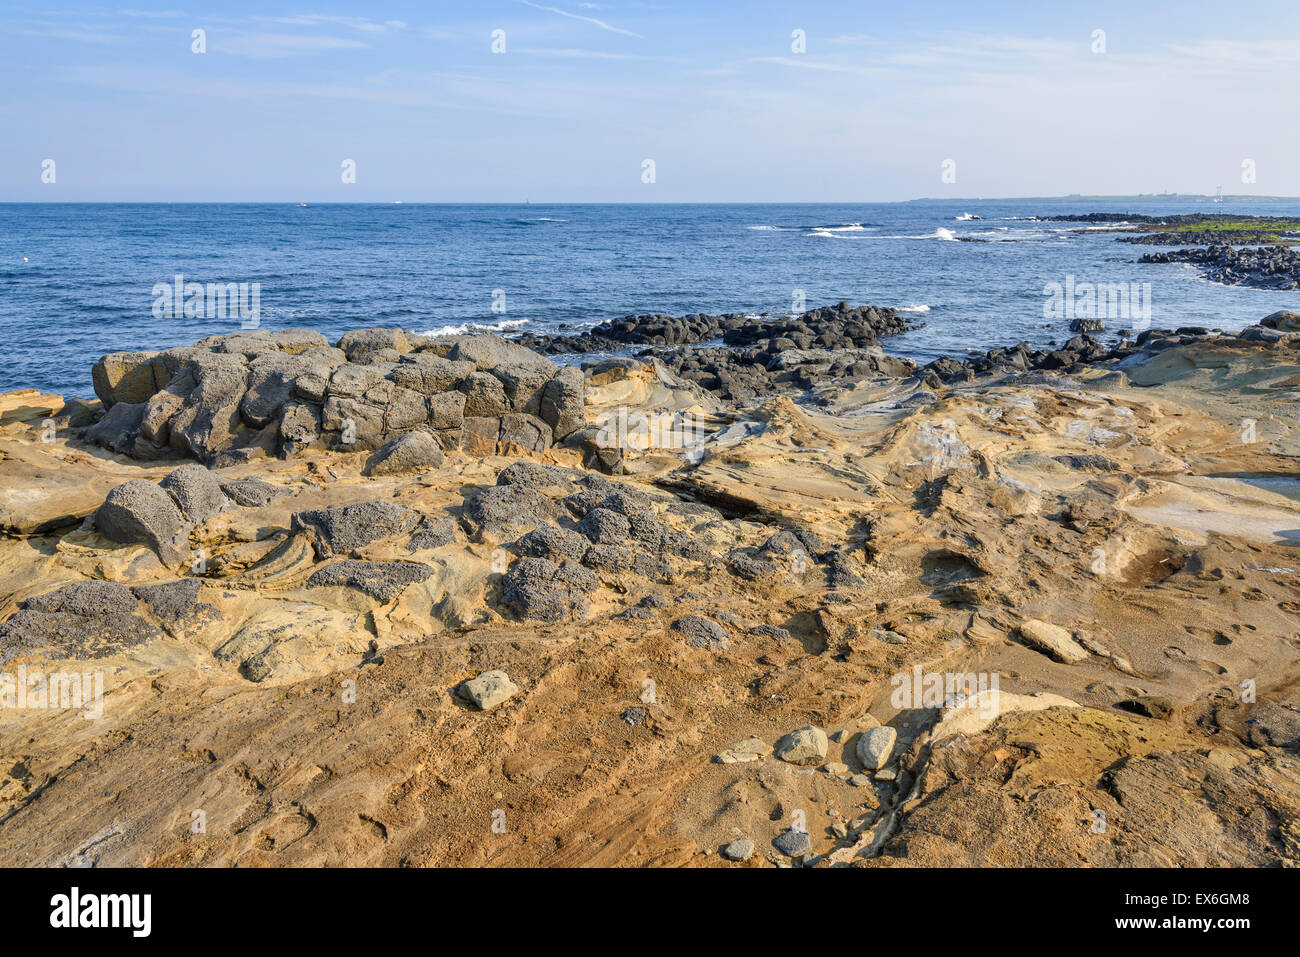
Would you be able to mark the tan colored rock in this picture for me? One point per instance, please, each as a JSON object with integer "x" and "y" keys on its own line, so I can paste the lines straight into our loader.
{"x": 1052, "y": 640}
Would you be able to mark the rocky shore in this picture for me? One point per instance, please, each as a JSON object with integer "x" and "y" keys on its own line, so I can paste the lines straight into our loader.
{"x": 778, "y": 600}
{"x": 1268, "y": 267}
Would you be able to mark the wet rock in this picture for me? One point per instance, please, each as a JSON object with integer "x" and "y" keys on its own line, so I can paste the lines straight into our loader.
{"x": 805, "y": 746}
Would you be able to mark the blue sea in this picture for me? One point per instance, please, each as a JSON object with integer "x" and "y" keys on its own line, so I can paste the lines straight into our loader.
{"x": 77, "y": 280}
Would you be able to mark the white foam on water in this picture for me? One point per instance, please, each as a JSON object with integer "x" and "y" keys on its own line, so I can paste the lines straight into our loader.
{"x": 916, "y": 308}
{"x": 469, "y": 328}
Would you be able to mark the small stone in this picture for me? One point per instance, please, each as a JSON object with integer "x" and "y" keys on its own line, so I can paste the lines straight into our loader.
{"x": 888, "y": 774}
{"x": 489, "y": 689}
{"x": 1052, "y": 640}
{"x": 875, "y": 745}
{"x": 860, "y": 780}
{"x": 739, "y": 850}
{"x": 793, "y": 842}
{"x": 835, "y": 767}
{"x": 751, "y": 749}
{"x": 805, "y": 746}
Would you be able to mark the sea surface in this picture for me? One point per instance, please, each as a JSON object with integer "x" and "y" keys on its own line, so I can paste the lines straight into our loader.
{"x": 78, "y": 280}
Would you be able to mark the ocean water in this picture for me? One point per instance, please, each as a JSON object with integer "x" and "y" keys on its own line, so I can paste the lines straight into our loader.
{"x": 78, "y": 280}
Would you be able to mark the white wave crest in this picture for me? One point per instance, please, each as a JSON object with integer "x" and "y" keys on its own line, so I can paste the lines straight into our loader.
{"x": 469, "y": 328}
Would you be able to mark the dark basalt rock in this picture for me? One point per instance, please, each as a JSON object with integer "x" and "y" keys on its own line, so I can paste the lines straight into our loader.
{"x": 382, "y": 581}
{"x": 340, "y": 531}
{"x": 1267, "y": 267}
{"x": 536, "y": 589}
{"x": 232, "y": 398}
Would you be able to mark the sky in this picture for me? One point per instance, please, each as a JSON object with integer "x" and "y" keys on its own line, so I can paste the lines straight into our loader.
{"x": 731, "y": 100}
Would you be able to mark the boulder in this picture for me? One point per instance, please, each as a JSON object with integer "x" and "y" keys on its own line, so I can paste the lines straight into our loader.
{"x": 358, "y": 342}
{"x": 124, "y": 377}
{"x": 702, "y": 632}
{"x": 484, "y": 395}
{"x": 522, "y": 434}
{"x": 406, "y": 453}
{"x": 490, "y": 351}
{"x": 563, "y": 403}
{"x": 429, "y": 374}
{"x": 140, "y": 512}
{"x": 340, "y": 531}
{"x": 209, "y": 419}
{"x": 536, "y": 589}
{"x": 196, "y": 491}
{"x": 118, "y": 429}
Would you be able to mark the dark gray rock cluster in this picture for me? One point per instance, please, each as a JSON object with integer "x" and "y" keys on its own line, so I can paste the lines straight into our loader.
{"x": 94, "y": 619}
{"x": 236, "y": 397}
{"x": 1262, "y": 267}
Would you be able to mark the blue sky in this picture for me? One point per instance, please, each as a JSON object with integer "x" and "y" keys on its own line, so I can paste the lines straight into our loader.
{"x": 712, "y": 91}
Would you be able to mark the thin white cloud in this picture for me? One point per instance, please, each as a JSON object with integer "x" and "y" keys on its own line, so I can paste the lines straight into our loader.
{"x": 271, "y": 46}
{"x": 581, "y": 54}
{"x": 577, "y": 16}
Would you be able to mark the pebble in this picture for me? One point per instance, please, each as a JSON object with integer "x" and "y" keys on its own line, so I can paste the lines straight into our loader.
{"x": 751, "y": 749}
{"x": 738, "y": 850}
{"x": 792, "y": 843}
{"x": 835, "y": 767}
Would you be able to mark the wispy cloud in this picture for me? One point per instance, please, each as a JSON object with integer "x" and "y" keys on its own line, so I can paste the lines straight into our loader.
{"x": 582, "y": 54}
{"x": 577, "y": 16}
{"x": 271, "y": 46}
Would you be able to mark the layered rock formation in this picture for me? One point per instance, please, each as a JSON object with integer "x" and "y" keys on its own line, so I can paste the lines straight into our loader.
{"x": 447, "y": 655}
